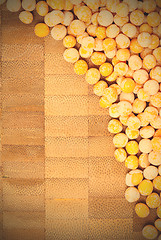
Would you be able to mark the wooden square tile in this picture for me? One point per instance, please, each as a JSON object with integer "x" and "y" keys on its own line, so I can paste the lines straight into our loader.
{"x": 66, "y": 209}
{"x": 137, "y": 235}
{"x": 1, "y": 194}
{"x": 1, "y": 225}
{"x": 28, "y": 187}
{"x": 72, "y": 167}
{"x": 22, "y": 68}
{"x": 25, "y": 234}
{"x": 23, "y": 161}
{"x": 98, "y": 125}
{"x": 60, "y": 65}
{"x": 67, "y": 188}
{"x": 22, "y": 153}
{"x": 23, "y": 120}
{"x": 66, "y": 147}
{"x": 0, "y": 156}
{"x": 101, "y": 146}
{"x": 69, "y": 105}
{"x": 24, "y": 85}
{"x": 109, "y": 208}
{"x": 22, "y": 52}
{"x": 23, "y": 136}
{"x": 22, "y": 169}
{"x": 90, "y": 90}
{"x": 23, "y": 102}
{"x": 53, "y": 46}
{"x": 17, "y": 203}
{"x": 102, "y": 178}
{"x": 23, "y": 220}
{"x": 66, "y": 126}
{"x": 110, "y": 229}
{"x": 70, "y": 229}
{"x": 71, "y": 84}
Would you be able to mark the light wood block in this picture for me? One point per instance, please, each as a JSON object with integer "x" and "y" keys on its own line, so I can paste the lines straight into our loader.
{"x": 23, "y": 161}
{"x": 20, "y": 153}
{"x": 23, "y": 120}
{"x": 69, "y": 105}
{"x": 110, "y": 229}
{"x": 70, "y": 229}
{"x": 23, "y": 52}
{"x": 24, "y": 85}
{"x": 101, "y": 146}
{"x": 98, "y": 126}
{"x": 66, "y": 167}
{"x": 67, "y": 188}
{"x": 53, "y": 46}
{"x": 65, "y": 85}
{"x": 102, "y": 178}
{"x": 25, "y": 234}
{"x": 90, "y": 90}
{"x": 23, "y": 136}
{"x": 16, "y": 203}
{"x": 76, "y": 126}
{"x": 107, "y": 186}
{"x": 56, "y": 59}
{"x": 1, "y": 225}
{"x": 22, "y": 68}
{"x": 1, "y": 157}
{"x": 72, "y": 147}
{"x": 24, "y": 170}
{"x": 23, "y": 103}
{"x": 110, "y": 208}
{"x": 23, "y": 220}
{"x": 66, "y": 209}
{"x": 28, "y": 187}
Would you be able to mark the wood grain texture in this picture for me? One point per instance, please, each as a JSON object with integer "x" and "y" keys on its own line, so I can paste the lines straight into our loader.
{"x": 23, "y": 151}
{"x": 1, "y": 188}
{"x": 60, "y": 179}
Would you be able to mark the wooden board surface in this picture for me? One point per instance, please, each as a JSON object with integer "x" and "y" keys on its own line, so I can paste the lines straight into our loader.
{"x": 23, "y": 132}
{"x": 60, "y": 179}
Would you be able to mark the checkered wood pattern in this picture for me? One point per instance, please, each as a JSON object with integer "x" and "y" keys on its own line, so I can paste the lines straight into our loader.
{"x": 23, "y": 132}
{"x": 1, "y": 209}
{"x": 60, "y": 179}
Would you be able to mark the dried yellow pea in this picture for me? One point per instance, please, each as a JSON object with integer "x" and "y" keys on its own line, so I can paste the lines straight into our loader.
{"x": 132, "y": 194}
{"x": 143, "y": 160}
{"x": 120, "y": 154}
{"x": 145, "y": 187}
{"x": 142, "y": 210}
{"x": 149, "y": 232}
{"x": 99, "y": 87}
{"x": 114, "y": 126}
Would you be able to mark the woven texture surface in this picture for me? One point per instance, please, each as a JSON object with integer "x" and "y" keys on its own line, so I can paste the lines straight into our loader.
{"x": 60, "y": 180}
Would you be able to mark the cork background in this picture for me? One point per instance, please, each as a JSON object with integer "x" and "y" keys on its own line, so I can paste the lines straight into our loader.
{"x": 59, "y": 179}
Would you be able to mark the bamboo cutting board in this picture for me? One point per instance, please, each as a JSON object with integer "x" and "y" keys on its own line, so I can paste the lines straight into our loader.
{"x": 60, "y": 180}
